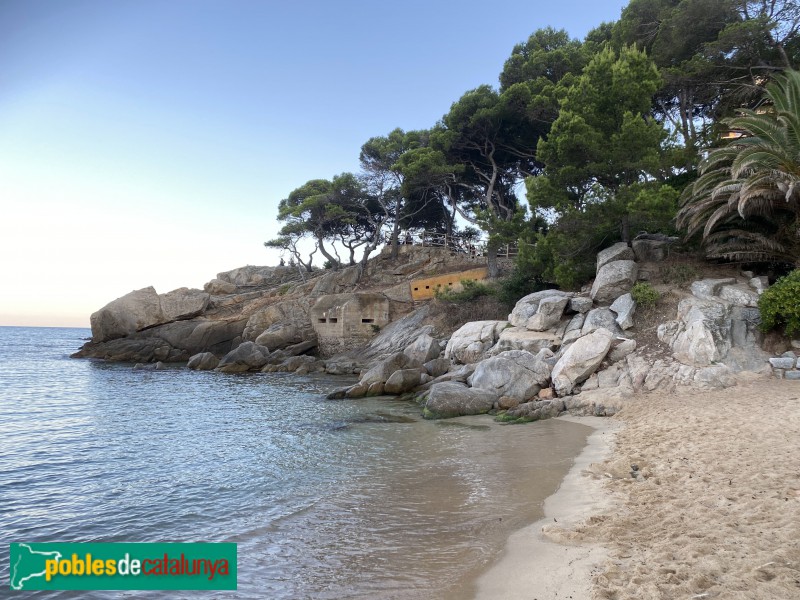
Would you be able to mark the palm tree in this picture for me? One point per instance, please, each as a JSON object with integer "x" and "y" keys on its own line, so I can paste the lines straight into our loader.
{"x": 746, "y": 201}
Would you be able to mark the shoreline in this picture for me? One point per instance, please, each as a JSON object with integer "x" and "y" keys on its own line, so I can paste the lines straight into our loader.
{"x": 560, "y": 570}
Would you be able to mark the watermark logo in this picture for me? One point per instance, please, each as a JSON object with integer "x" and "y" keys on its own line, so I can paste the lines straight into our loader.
{"x": 65, "y": 566}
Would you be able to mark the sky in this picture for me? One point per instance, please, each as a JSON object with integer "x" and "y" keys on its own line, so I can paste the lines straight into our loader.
{"x": 149, "y": 142}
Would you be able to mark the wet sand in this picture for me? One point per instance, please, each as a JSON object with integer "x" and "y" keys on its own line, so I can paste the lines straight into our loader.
{"x": 714, "y": 511}
{"x": 536, "y": 564}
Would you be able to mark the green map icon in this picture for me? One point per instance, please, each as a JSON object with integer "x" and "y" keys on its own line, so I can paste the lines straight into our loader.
{"x": 28, "y": 564}
{"x": 122, "y": 566}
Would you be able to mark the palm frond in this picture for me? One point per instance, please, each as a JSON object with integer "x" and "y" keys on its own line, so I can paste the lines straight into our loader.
{"x": 746, "y": 200}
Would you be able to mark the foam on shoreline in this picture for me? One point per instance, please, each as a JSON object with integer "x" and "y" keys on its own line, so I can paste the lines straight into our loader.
{"x": 535, "y": 566}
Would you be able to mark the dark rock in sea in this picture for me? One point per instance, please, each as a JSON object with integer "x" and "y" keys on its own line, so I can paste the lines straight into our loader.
{"x": 205, "y": 361}
{"x": 159, "y": 366}
{"x": 454, "y": 399}
{"x": 402, "y": 381}
{"x": 337, "y": 394}
{"x": 248, "y": 356}
{"x": 533, "y": 411}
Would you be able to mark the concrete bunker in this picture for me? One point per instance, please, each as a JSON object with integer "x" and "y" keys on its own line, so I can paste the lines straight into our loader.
{"x": 343, "y": 321}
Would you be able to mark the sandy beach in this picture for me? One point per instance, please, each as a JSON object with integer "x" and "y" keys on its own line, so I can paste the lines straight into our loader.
{"x": 710, "y": 510}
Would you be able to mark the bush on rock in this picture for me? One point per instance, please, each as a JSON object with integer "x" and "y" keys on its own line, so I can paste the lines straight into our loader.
{"x": 779, "y": 305}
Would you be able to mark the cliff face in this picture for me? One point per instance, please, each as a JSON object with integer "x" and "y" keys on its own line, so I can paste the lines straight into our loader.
{"x": 275, "y": 307}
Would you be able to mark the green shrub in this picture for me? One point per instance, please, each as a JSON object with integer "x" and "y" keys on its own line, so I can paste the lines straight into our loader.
{"x": 518, "y": 284}
{"x": 470, "y": 290}
{"x": 779, "y": 305}
{"x": 644, "y": 295}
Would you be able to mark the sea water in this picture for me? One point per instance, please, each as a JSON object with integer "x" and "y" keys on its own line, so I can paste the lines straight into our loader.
{"x": 325, "y": 499}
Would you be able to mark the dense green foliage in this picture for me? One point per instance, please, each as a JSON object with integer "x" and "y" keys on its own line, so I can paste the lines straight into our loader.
{"x": 779, "y": 305}
{"x": 644, "y": 294}
{"x": 605, "y": 133}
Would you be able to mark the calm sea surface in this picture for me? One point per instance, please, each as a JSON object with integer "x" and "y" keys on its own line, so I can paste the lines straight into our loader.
{"x": 326, "y": 499}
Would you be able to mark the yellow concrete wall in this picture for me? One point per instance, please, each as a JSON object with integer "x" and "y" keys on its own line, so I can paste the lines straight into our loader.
{"x": 424, "y": 289}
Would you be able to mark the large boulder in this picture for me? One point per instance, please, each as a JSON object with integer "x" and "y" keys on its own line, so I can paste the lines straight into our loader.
{"x": 708, "y": 289}
{"x": 460, "y": 374}
{"x": 619, "y": 251}
{"x": 652, "y": 250}
{"x": 625, "y": 307}
{"x": 247, "y": 356}
{"x": 437, "y": 367}
{"x": 739, "y": 294}
{"x": 205, "y": 361}
{"x": 714, "y": 377}
{"x": 712, "y": 331}
{"x": 251, "y": 275}
{"x": 130, "y": 349}
{"x": 279, "y": 335}
{"x": 423, "y": 349}
{"x": 337, "y": 282}
{"x": 528, "y": 306}
{"x": 341, "y": 365}
{"x": 295, "y": 363}
{"x": 398, "y": 335}
{"x": 620, "y": 348}
{"x": 125, "y": 315}
{"x": 281, "y": 324}
{"x": 519, "y": 338}
{"x": 383, "y": 370}
{"x": 217, "y": 287}
{"x": 516, "y": 373}
{"x": 600, "y": 318}
{"x": 614, "y": 279}
{"x": 471, "y": 342}
{"x": 170, "y": 342}
{"x": 203, "y": 336}
{"x": 759, "y": 284}
{"x": 701, "y": 335}
{"x": 580, "y": 304}
{"x": 548, "y": 313}
{"x": 575, "y": 323}
{"x": 402, "y": 381}
{"x": 536, "y": 410}
{"x": 183, "y": 303}
{"x": 580, "y": 360}
{"x": 453, "y": 399}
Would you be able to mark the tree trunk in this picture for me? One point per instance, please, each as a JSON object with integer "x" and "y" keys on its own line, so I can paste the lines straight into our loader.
{"x": 626, "y": 228}
{"x": 395, "y": 241}
{"x": 327, "y": 255}
{"x": 491, "y": 260}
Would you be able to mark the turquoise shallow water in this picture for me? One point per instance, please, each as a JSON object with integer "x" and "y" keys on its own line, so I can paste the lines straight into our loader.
{"x": 326, "y": 499}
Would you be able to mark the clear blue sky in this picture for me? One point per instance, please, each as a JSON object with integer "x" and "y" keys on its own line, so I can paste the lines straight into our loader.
{"x": 149, "y": 142}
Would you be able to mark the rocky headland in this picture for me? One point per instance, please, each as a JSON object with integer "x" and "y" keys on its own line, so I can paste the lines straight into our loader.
{"x": 581, "y": 352}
